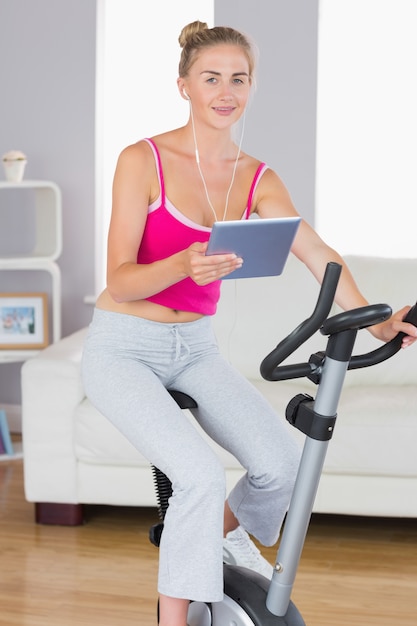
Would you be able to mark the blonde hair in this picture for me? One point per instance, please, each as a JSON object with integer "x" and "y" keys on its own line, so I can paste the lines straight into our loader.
{"x": 197, "y": 35}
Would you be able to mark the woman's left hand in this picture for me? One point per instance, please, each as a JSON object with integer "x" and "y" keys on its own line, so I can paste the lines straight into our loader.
{"x": 390, "y": 328}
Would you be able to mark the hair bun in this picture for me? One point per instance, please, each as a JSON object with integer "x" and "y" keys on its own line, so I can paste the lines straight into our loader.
{"x": 189, "y": 31}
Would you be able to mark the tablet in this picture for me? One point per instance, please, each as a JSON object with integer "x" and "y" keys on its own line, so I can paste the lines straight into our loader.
{"x": 263, "y": 244}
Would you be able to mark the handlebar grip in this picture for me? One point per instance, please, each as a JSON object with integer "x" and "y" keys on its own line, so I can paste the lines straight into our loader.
{"x": 355, "y": 319}
{"x": 269, "y": 367}
{"x": 387, "y": 350}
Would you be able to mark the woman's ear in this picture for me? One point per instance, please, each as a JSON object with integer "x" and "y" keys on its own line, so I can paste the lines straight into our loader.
{"x": 182, "y": 90}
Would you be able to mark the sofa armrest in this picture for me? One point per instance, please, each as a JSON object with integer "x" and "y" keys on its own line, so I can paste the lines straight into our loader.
{"x": 51, "y": 390}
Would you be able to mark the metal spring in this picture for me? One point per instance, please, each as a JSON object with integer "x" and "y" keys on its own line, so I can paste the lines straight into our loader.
{"x": 163, "y": 488}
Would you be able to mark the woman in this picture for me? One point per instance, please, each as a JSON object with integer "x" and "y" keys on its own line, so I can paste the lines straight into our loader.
{"x": 151, "y": 328}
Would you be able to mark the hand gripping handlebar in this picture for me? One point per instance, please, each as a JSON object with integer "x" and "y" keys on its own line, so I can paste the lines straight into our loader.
{"x": 387, "y": 350}
{"x": 349, "y": 320}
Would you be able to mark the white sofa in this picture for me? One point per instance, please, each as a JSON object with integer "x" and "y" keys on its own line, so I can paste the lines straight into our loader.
{"x": 74, "y": 456}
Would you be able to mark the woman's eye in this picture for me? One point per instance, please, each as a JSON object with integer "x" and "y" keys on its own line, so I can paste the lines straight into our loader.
{"x": 212, "y": 79}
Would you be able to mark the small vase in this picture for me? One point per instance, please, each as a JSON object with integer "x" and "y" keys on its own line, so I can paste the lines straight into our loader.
{"x": 14, "y": 170}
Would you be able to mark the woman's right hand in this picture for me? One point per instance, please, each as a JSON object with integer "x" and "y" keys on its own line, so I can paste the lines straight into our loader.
{"x": 204, "y": 269}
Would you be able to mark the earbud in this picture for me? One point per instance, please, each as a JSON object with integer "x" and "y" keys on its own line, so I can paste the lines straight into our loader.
{"x": 186, "y": 95}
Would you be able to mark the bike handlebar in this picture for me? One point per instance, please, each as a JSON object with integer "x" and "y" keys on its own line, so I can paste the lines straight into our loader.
{"x": 385, "y": 351}
{"x": 358, "y": 318}
{"x": 269, "y": 366}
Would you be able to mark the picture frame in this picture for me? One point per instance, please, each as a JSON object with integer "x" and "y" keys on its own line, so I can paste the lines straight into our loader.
{"x": 23, "y": 321}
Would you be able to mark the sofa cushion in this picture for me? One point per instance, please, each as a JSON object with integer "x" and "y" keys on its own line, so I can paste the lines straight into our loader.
{"x": 254, "y": 315}
{"x": 370, "y": 437}
{"x": 367, "y": 439}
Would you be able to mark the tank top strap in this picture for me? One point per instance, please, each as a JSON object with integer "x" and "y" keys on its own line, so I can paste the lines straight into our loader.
{"x": 159, "y": 170}
{"x": 258, "y": 174}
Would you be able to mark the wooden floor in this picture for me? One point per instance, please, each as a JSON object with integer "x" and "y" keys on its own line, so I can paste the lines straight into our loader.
{"x": 354, "y": 571}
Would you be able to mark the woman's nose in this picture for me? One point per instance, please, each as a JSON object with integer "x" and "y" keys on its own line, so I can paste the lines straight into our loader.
{"x": 225, "y": 92}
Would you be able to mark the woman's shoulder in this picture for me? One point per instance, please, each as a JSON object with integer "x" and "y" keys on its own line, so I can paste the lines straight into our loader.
{"x": 136, "y": 150}
{"x": 269, "y": 176}
{"x": 138, "y": 154}
{"x": 252, "y": 168}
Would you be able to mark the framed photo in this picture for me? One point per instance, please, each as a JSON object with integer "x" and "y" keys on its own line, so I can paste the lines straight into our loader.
{"x": 23, "y": 321}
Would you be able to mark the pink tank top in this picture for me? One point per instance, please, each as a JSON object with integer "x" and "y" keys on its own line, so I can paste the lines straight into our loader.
{"x": 168, "y": 231}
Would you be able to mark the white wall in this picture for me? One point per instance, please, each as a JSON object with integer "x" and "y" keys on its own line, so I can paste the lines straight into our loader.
{"x": 367, "y": 126}
{"x": 137, "y": 96}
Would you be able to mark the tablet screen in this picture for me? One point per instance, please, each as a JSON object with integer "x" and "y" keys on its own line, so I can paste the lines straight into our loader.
{"x": 263, "y": 244}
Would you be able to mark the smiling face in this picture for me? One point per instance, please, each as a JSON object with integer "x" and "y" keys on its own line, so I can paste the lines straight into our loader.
{"x": 218, "y": 84}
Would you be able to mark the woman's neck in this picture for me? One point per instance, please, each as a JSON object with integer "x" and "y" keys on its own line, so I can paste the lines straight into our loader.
{"x": 211, "y": 145}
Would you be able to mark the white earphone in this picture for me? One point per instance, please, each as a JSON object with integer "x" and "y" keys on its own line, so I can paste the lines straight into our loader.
{"x": 186, "y": 95}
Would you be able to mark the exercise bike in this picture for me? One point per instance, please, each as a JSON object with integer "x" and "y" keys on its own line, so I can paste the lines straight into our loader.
{"x": 249, "y": 598}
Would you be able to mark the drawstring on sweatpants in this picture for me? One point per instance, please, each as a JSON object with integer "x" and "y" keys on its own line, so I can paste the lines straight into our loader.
{"x": 179, "y": 345}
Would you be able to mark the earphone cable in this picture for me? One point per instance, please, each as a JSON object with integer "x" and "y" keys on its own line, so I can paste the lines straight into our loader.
{"x": 197, "y": 159}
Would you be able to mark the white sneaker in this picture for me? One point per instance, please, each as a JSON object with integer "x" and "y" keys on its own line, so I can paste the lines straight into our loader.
{"x": 238, "y": 549}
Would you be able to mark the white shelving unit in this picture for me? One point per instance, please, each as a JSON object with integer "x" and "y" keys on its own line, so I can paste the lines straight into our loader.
{"x": 44, "y": 198}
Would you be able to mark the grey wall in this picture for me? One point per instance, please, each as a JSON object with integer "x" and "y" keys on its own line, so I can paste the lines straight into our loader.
{"x": 281, "y": 124}
{"x": 47, "y": 107}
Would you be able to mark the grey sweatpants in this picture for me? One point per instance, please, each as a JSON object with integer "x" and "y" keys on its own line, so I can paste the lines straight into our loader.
{"x": 128, "y": 363}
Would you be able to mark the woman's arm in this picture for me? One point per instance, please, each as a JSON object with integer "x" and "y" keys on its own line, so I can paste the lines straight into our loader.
{"x": 274, "y": 201}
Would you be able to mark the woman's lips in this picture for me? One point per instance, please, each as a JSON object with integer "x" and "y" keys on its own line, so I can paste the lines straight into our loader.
{"x": 224, "y": 110}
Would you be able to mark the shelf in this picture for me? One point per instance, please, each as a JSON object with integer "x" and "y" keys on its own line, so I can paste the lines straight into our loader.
{"x": 28, "y": 184}
{"x": 26, "y": 263}
{"x": 53, "y": 269}
{"x": 45, "y": 201}
{"x": 37, "y": 205}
